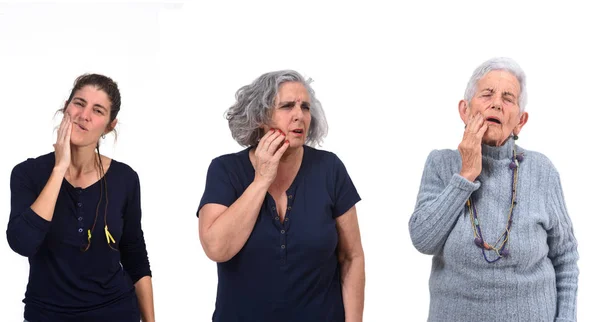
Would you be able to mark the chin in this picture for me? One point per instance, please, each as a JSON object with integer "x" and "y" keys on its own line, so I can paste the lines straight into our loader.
{"x": 80, "y": 144}
{"x": 294, "y": 144}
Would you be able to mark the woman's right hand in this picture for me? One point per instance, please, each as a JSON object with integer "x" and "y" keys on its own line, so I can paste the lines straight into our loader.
{"x": 268, "y": 153}
{"x": 62, "y": 147}
{"x": 470, "y": 147}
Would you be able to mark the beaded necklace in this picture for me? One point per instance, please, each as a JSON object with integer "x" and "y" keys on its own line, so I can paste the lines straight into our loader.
{"x": 500, "y": 247}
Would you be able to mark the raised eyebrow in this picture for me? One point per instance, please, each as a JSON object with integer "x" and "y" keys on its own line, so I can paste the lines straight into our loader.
{"x": 488, "y": 90}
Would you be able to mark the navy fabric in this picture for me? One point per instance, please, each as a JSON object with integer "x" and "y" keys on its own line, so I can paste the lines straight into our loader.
{"x": 286, "y": 271}
{"x": 65, "y": 283}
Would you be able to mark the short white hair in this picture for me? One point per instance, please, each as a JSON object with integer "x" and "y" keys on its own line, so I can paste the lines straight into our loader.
{"x": 498, "y": 63}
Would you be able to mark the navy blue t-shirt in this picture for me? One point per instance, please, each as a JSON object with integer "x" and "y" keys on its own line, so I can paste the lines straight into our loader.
{"x": 65, "y": 283}
{"x": 286, "y": 271}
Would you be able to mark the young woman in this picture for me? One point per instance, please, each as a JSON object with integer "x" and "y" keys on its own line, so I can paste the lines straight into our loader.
{"x": 76, "y": 215}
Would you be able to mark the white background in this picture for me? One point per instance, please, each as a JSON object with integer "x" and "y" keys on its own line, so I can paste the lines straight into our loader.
{"x": 389, "y": 77}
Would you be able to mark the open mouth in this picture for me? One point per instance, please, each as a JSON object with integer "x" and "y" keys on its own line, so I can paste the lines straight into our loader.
{"x": 298, "y": 131}
{"x": 492, "y": 119}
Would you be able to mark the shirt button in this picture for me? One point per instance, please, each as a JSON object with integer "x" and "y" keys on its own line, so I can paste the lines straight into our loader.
{"x": 272, "y": 208}
{"x": 282, "y": 246}
{"x": 289, "y": 207}
{"x": 290, "y": 197}
{"x": 79, "y": 204}
{"x": 285, "y": 219}
{"x": 80, "y": 230}
{"x": 283, "y": 231}
{"x": 80, "y": 218}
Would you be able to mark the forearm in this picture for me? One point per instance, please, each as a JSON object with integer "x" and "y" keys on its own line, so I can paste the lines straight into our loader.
{"x": 432, "y": 220}
{"x": 353, "y": 287}
{"x": 45, "y": 203}
{"x": 145, "y": 297}
{"x": 31, "y": 214}
{"x": 567, "y": 275}
{"x": 229, "y": 232}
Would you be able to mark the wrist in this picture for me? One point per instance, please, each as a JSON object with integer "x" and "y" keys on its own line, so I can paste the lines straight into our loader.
{"x": 59, "y": 171}
{"x": 468, "y": 175}
{"x": 262, "y": 183}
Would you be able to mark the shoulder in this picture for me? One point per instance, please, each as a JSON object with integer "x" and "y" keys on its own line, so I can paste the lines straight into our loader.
{"x": 122, "y": 175}
{"x": 538, "y": 162}
{"x": 440, "y": 156}
{"x": 40, "y": 165}
{"x": 233, "y": 160}
{"x": 122, "y": 168}
{"x": 537, "y": 158}
{"x": 321, "y": 157}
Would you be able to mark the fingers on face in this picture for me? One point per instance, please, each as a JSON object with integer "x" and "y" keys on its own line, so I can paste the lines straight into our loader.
{"x": 271, "y": 141}
{"x": 68, "y": 132}
{"x": 282, "y": 149}
{"x": 482, "y": 130}
{"x": 275, "y": 144}
{"x": 261, "y": 142}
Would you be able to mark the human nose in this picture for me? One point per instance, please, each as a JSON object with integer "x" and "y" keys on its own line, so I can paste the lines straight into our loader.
{"x": 298, "y": 113}
{"x": 497, "y": 103}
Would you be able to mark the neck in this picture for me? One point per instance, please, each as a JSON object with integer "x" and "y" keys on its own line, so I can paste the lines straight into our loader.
{"x": 499, "y": 152}
{"x": 83, "y": 159}
{"x": 291, "y": 156}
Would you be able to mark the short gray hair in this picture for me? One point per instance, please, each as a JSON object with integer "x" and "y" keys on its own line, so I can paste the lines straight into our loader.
{"x": 254, "y": 103}
{"x": 498, "y": 63}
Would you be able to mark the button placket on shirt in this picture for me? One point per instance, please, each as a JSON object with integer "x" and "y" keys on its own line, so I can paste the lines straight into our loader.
{"x": 282, "y": 227}
{"x": 79, "y": 212}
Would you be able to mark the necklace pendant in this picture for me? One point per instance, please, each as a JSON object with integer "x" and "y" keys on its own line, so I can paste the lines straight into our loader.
{"x": 479, "y": 242}
{"x": 487, "y": 246}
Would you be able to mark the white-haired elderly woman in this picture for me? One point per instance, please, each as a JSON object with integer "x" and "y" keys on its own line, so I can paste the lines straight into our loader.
{"x": 279, "y": 217}
{"x": 493, "y": 215}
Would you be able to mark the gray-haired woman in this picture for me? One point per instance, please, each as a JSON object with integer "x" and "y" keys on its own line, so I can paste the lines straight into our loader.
{"x": 279, "y": 217}
{"x": 493, "y": 215}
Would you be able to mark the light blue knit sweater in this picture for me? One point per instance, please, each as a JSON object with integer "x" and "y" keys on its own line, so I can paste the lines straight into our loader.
{"x": 537, "y": 281}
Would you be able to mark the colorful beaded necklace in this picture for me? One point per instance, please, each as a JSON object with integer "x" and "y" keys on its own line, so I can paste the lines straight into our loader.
{"x": 501, "y": 245}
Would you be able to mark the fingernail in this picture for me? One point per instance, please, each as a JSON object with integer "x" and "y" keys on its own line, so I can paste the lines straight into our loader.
{"x": 272, "y": 130}
{"x": 287, "y": 141}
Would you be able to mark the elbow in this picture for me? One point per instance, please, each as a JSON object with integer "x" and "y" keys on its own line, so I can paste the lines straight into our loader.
{"x": 20, "y": 247}
{"x": 215, "y": 250}
{"x": 217, "y": 254}
{"x": 424, "y": 248}
{"x": 421, "y": 243}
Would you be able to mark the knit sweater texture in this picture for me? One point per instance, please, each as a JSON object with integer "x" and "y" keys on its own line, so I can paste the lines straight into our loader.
{"x": 537, "y": 281}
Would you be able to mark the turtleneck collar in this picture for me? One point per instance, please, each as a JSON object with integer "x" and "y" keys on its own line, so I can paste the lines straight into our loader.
{"x": 504, "y": 151}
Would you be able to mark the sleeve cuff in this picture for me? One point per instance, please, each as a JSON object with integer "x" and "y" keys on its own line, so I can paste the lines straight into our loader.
{"x": 460, "y": 182}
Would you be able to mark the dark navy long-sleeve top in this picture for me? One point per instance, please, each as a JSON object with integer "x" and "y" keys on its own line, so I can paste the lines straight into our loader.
{"x": 286, "y": 271}
{"x": 65, "y": 283}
